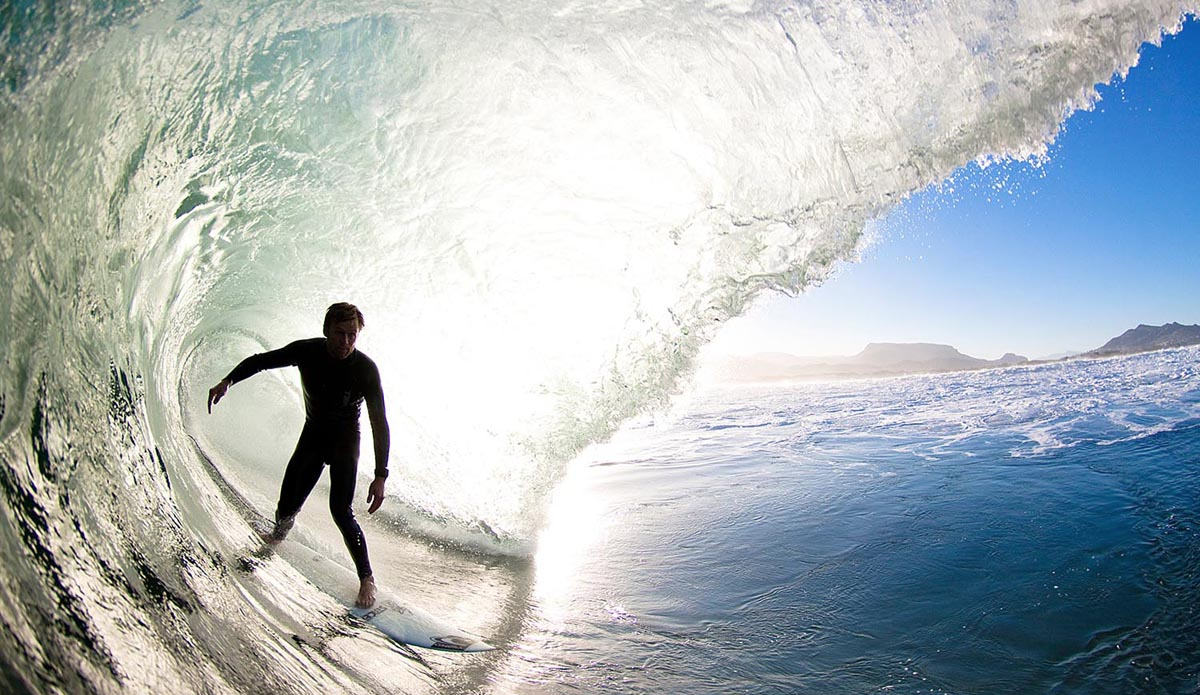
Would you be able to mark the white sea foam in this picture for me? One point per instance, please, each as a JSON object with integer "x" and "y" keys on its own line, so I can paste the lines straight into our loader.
{"x": 544, "y": 210}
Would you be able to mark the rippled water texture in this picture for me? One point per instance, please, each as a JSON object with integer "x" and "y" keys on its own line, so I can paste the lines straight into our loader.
{"x": 1022, "y": 530}
{"x": 544, "y": 210}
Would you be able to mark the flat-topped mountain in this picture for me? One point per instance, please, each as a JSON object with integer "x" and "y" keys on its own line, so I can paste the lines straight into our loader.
{"x": 895, "y": 359}
{"x": 1147, "y": 338}
{"x": 877, "y": 359}
{"x": 921, "y": 357}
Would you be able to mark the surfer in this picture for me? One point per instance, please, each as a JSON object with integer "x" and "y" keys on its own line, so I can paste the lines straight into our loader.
{"x": 336, "y": 379}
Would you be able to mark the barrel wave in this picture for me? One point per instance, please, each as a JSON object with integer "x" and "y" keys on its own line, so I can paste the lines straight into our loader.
{"x": 544, "y": 209}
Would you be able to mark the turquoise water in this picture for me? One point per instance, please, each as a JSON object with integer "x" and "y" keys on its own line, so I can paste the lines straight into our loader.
{"x": 546, "y": 211}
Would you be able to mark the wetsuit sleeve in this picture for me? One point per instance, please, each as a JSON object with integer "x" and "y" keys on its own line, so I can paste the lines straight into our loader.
{"x": 285, "y": 356}
{"x": 380, "y": 432}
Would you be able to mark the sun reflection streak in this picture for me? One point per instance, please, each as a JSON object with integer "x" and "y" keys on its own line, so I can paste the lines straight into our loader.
{"x": 575, "y": 525}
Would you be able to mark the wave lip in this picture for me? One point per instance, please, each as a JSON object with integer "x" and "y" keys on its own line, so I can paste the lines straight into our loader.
{"x": 544, "y": 214}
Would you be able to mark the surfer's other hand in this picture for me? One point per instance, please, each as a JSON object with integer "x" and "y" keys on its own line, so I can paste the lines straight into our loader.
{"x": 216, "y": 393}
{"x": 375, "y": 494}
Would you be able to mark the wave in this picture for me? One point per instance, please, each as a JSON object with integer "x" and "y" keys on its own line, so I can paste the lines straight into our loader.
{"x": 543, "y": 209}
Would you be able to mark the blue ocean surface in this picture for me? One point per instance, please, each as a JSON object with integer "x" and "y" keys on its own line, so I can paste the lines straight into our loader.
{"x": 546, "y": 211}
{"x": 1026, "y": 530}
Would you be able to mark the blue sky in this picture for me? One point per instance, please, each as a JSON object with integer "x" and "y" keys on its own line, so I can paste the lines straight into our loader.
{"x": 1037, "y": 261}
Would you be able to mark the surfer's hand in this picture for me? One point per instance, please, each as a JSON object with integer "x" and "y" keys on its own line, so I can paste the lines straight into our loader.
{"x": 375, "y": 494}
{"x": 216, "y": 393}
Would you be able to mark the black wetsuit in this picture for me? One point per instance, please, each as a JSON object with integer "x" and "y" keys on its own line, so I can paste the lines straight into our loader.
{"x": 333, "y": 392}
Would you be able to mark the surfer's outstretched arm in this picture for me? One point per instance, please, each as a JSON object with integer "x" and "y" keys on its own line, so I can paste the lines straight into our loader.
{"x": 283, "y": 357}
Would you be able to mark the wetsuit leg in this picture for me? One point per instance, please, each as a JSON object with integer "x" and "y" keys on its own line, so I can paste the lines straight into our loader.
{"x": 343, "y": 471}
{"x": 303, "y": 472}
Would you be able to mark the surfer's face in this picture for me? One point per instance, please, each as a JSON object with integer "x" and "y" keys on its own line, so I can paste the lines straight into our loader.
{"x": 340, "y": 337}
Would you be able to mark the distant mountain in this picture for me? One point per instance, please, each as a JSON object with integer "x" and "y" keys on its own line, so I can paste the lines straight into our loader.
{"x": 910, "y": 358}
{"x": 895, "y": 359}
{"x": 1147, "y": 338}
{"x": 877, "y": 359}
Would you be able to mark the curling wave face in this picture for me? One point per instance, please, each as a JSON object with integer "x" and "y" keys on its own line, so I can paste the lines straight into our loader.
{"x": 543, "y": 209}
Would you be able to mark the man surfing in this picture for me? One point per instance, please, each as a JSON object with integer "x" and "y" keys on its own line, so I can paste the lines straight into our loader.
{"x": 336, "y": 379}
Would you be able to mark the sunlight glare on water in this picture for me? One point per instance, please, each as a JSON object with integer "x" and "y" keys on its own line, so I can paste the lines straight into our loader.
{"x": 545, "y": 211}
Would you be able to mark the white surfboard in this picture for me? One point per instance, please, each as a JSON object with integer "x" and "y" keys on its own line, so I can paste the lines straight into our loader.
{"x": 403, "y": 623}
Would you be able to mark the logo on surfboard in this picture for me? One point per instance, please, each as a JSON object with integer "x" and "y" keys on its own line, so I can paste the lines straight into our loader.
{"x": 452, "y": 642}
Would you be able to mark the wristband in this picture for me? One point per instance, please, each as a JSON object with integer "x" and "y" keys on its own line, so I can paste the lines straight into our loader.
{"x": 381, "y": 473}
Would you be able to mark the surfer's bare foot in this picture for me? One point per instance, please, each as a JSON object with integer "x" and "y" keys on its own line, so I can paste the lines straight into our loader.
{"x": 278, "y": 532}
{"x": 366, "y": 593}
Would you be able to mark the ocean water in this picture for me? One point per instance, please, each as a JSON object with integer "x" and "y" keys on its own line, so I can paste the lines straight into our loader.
{"x": 1026, "y": 530}
{"x": 546, "y": 210}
